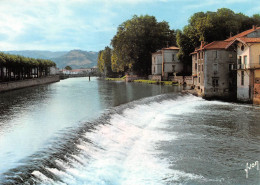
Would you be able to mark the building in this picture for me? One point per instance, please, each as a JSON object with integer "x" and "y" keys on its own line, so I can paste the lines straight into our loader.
{"x": 165, "y": 63}
{"x": 247, "y": 46}
{"x": 212, "y": 70}
{"x": 83, "y": 71}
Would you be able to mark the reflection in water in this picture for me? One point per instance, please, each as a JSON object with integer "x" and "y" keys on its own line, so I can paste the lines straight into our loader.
{"x": 116, "y": 93}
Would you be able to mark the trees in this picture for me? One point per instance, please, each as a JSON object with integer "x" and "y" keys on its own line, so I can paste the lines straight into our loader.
{"x": 212, "y": 26}
{"x": 104, "y": 61}
{"x": 136, "y": 39}
{"x": 15, "y": 67}
{"x": 68, "y": 68}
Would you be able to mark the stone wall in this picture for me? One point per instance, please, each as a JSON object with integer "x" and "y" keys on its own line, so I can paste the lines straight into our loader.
{"x": 7, "y": 86}
{"x": 183, "y": 80}
{"x": 155, "y": 77}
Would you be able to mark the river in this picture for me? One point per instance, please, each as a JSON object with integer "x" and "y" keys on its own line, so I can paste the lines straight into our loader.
{"x": 99, "y": 132}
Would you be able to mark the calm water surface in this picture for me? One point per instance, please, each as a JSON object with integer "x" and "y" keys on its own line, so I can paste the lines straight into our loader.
{"x": 99, "y": 132}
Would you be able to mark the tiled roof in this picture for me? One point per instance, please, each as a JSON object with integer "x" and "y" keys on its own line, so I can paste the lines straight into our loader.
{"x": 216, "y": 45}
{"x": 249, "y": 40}
{"x": 171, "y": 48}
{"x": 244, "y": 40}
{"x": 212, "y": 45}
{"x": 157, "y": 52}
{"x": 243, "y": 34}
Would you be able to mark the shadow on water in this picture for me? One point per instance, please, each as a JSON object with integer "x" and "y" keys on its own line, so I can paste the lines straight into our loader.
{"x": 117, "y": 93}
{"x": 12, "y": 102}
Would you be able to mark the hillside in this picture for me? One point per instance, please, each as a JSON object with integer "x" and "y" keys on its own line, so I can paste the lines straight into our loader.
{"x": 74, "y": 58}
{"x": 77, "y": 59}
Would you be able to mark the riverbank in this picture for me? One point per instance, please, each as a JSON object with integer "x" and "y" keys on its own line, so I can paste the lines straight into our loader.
{"x": 145, "y": 81}
{"x": 8, "y": 86}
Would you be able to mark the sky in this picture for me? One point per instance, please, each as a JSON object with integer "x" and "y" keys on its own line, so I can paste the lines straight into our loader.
{"x": 63, "y": 25}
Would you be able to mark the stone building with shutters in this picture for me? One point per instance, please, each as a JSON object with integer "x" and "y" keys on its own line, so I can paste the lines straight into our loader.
{"x": 165, "y": 64}
{"x": 247, "y": 46}
{"x": 212, "y": 72}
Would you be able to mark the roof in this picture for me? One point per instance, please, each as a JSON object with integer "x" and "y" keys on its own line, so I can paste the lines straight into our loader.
{"x": 249, "y": 40}
{"x": 211, "y": 46}
{"x": 244, "y": 40}
{"x": 243, "y": 34}
{"x": 157, "y": 52}
{"x": 216, "y": 45}
{"x": 171, "y": 48}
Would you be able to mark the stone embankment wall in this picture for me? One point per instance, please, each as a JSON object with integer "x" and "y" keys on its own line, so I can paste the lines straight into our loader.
{"x": 183, "y": 80}
{"x": 7, "y": 86}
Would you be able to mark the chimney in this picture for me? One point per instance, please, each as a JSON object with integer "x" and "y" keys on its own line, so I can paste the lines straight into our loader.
{"x": 254, "y": 27}
{"x": 202, "y": 43}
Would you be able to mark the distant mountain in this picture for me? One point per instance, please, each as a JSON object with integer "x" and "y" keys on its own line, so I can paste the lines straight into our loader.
{"x": 74, "y": 58}
{"x": 77, "y": 59}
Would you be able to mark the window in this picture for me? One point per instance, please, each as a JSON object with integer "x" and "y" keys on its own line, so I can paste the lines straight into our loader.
{"x": 201, "y": 67}
{"x": 199, "y": 79}
{"x": 195, "y": 66}
{"x": 242, "y": 77}
{"x": 216, "y": 54}
{"x": 215, "y": 68}
{"x": 198, "y": 55}
{"x": 230, "y": 55}
{"x": 173, "y": 57}
{"x": 230, "y": 67}
{"x": 154, "y": 69}
{"x": 245, "y": 59}
{"x": 242, "y": 48}
{"x": 215, "y": 82}
{"x": 202, "y": 55}
{"x": 239, "y": 60}
{"x": 173, "y": 68}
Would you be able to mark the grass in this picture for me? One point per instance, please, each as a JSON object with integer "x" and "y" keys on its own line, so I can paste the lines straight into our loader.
{"x": 116, "y": 79}
{"x": 156, "y": 82}
{"x": 144, "y": 81}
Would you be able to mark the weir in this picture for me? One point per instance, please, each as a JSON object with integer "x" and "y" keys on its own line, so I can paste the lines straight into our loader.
{"x": 162, "y": 138}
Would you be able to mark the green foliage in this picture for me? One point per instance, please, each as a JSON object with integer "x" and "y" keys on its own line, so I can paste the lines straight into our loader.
{"x": 212, "y": 26}
{"x": 156, "y": 82}
{"x": 135, "y": 40}
{"x": 104, "y": 61}
{"x": 68, "y": 68}
{"x": 19, "y": 67}
{"x": 16, "y": 60}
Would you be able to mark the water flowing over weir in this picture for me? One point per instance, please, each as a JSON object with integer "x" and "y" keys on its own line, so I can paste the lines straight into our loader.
{"x": 164, "y": 139}
{"x": 117, "y": 148}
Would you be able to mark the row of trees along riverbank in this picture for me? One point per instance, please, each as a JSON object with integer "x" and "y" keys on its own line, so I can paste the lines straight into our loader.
{"x": 15, "y": 67}
{"x": 136, "y": 39}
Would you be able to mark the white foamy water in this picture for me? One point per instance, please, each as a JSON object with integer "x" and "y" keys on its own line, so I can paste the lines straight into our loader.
{"x": 125, "y": 150}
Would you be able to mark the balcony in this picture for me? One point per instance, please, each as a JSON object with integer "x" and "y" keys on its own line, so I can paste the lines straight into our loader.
{"x": 241, "y": 66}
{"x": 234, "y": 67}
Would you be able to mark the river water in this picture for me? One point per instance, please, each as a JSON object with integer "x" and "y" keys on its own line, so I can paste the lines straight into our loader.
{"x": 99, "y": 132}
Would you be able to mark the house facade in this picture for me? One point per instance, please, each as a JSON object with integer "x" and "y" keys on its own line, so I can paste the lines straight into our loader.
{"x": 165, "y": 63}
{"x": 212, "y": 70}
{"x": 247, "y": 46}
{"x": 157, "y": 63}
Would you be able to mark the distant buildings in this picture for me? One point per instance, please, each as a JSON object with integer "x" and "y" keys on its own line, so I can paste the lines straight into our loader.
{"x": 165, "y": 64}
{"x": 84, "y": 71}
{"x": 229, "y": 68}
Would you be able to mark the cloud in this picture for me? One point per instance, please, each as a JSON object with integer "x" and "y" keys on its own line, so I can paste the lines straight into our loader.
{"x": 59, "y": 24}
